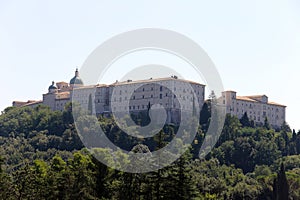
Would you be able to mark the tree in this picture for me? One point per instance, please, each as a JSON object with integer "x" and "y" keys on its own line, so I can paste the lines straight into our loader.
{"x": 61, "y": 179}
{"x": 6, "y": 110}
{"x": 275, "y": 189}
{"x": 280, "y": 185}
{"x": 160, "y": 141}
{"x": 24, "y": 180}
{"x": 102, "y": 174}
{"x": 6, "y": 187}
{"x": 84, "y": 183}
{"x": 204, "y": 114}
{"x": 212, "y": 96}
{"x": 266, "y": 124}
{"x": 266, "y": 152}
{"x": 285, "y": 127}
{"x": 245, "y": 120}
{"x": 244, "y": 154}
{"x": 179, "y": 182}
{"x": 148, "y": 106}
{"x": 231, "y": 128}
{"x": 294, "y": 135}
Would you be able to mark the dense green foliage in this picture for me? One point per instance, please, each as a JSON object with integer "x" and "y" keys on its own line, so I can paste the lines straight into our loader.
{"x": 42, "y": 157}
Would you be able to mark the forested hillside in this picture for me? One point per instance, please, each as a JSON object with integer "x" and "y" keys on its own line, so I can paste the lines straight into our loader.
{"x": 42, "y": 157}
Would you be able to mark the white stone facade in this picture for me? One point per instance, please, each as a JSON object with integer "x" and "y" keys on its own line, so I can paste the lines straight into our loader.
{"x": 160, "y": 91}
{"x": 129, "y": 96}
{"x": 136, "y": 96}
{"x": 257, "y": 107}
{"x": 173, "y": 94}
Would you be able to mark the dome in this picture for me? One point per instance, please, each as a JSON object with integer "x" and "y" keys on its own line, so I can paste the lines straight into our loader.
{"x": 76, "y": 79}
{"x": 52, "y": 87}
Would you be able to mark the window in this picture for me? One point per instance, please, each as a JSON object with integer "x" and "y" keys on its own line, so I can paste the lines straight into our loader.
{"x": 151, "y": 95}
{"x": 143, "y": 96}
{"x": 166, "y": 94}
{"x": 152, "y": 89}
{"x": 143, "y": 89}
{"x": 160, "y": 96}
{"x": 160, "y": 88}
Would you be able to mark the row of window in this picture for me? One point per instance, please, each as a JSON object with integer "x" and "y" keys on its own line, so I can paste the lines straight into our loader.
{"x": 251, "y": 106}
{"x": 160, "y": 89}
{"x": 151, "y": 96}
{"x": 257, "y": 118}
{"x": 144, "y": 107}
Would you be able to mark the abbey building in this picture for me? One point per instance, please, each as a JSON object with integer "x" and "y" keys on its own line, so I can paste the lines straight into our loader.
{"x": 257, "y": 107}
{"x": 172, "y": 93}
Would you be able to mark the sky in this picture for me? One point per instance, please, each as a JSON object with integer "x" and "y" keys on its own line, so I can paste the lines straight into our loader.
{"x": 255, "y": 44}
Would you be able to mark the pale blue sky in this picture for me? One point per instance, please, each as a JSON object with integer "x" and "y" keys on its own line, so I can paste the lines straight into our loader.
{"x": 254, "y": 44}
